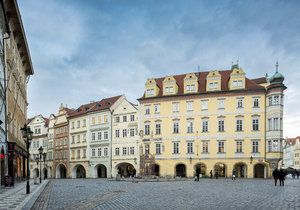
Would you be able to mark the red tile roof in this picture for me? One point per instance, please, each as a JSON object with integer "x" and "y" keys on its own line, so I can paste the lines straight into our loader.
{"x": 105, "y": 103}
{"x": 291, "y": 141}
{"x": 225, "y": 76}
{"x": 260, "y": 80}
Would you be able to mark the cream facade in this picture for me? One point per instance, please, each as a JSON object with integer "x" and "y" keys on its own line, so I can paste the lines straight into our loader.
{"x": 50, "y": 154}
{"x": 297, "y": 154}
{"x": 39, "y": 126}
{"x": 125, "y": 139}
{"x": 214, "y": 121}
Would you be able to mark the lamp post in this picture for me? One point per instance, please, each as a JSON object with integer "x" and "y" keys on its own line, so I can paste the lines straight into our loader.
{"x": 27, "y": 135}
{"x": 41, "y": 152}
{"x": 44, "y": 158}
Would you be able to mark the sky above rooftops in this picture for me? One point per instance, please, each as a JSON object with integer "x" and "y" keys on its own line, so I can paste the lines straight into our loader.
{"x": 87, "y": 50}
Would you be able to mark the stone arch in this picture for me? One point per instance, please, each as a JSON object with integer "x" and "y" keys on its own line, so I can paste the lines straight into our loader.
{"x": 260, "y": 170}
{"x": 61, "y": 171}
{"x": 100, "y": 171}
{"x": 78, "y": 171}
{"x": 180, "y": 170}
{"x": 220, "y": 169}
{"x": 241, "y": 169}
{"x": 126, "y": 169}
{"x": 202, "y": 168}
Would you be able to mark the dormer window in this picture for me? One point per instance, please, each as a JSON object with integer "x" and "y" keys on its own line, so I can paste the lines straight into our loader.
{"x": 190, "y": 88}
{"x": 169, "y": 89}
{"x": 213, "y": 85}
{"x": 150, "y": 92}
{"x": 237, "y": 83}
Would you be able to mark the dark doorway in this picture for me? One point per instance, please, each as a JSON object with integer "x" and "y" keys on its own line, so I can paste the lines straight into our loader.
{"x": 101, "y": 171}
{"x": 180, "y": 170}
{"x": 259, "y": 171}
{"x": 156, "y": 170}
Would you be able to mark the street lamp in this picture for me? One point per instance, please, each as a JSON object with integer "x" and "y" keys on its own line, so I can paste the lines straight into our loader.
{"x": 251, "y": 159}
{"x": 44, "y": 158}
{"x": 27, "y": 135}
{"x": 41, "y": 152}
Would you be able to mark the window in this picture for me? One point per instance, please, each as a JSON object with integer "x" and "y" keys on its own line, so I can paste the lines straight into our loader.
{"x": 239, "y": 146}
{"x": 78, "y": 153}
{"x": 157, "y": 128}
{"x": 204, "y": 105}
{"x": 117, "y": 133}
{"x": 99, "y": 136}
{"x": 105, "y": 135}
{"x": 73, "y": 125}
{"x": 221, "y": 125}
{"x": 255, "y": 146}
{"x": 213, "y": 85}
{"x": 99, "y": 152}
{"x": 73, "y": 139}
{"x": 276, "y": 127}
{"x": 78, "y": 138}
{"x": 270, "y": 124}
{"x": 117, "y": 119}
{"x": 117, "y": 151}
{"x": 190, "y": 127}
{"x": 221, "y": 146}
{"x": 255, "y": 124}
{"x": 270, "y": 146}
{"x": 105, "y": 119}
{"x": 275, "y": 147}
{"x": 156, "y": 108}
{"x": 205, "y": 126}
{"x": 147, "y": 129}
{"x": 190, "y": 147}
{"x": 150, "y": 92}
{"x": 65, "y": 154}
{"x": 93, "y": 136}
{"x": 175, "y": 107}
{"x": 270, "y": 101}
{"x": 132, "y": 117}
{"x": 237, "y": 83}
{"x": 190, "y": 87}
{"x": 256, "y": 102}
{"x": 93, "y": 120}
{"x": 189, "y": 106}
{"x": 131, "y": 131}
{"x": 176, "y": 127}
{"x": 78, "y": 124}
{"x": 124, "y": 150}
{"x": 175, "y": 147}
{"x": 84, "y": 137}
{"x": 240, "y": 103}
{"x": 147, "y": 110}
{"x": 84, "y": 153}
{"x": 124, "y": 132}
{"x": 169, "y": 89}
{"x": 124, "y": 118}
{"x": 158, "y": 149}
{"x": 66, "y": 141}
{"x": 205, "y": 147}
{"x": 132, "y": 150}
{"x": 276, "y": 100}
{"x": 221, "y": 104}
{"x": 239, "y": 125}
{"x": 84, "y": 123}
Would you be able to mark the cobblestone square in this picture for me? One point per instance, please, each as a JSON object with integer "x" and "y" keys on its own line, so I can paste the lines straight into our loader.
{"x": 205, "y": 194}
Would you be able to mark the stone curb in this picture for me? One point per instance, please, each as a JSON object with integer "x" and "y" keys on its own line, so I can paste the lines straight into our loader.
{"x": 30, "y": 200}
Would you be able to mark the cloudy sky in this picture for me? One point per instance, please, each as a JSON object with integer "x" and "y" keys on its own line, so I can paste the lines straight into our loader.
{"x": 86, "y": 50}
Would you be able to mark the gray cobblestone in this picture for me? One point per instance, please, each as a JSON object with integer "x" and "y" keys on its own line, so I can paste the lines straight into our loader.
{"x": 205, "y": 194}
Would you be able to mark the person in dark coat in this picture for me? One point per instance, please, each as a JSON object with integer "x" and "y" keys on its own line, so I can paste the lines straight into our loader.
{"x": 298, "y": 173}
{"x": 281, "y": 177}
{"x": 233, "y": 174}
{"x": 211, "y": 174}
{"x": 198, "y": 171}
{"x": 275, "y": 175}
{"x": 216, "y": 174}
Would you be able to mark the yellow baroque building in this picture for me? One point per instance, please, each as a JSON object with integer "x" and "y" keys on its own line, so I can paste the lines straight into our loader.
{"x": 218, "y": 121}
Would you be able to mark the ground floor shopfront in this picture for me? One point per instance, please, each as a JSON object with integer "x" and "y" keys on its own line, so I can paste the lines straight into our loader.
{"x": 243, "y": 168}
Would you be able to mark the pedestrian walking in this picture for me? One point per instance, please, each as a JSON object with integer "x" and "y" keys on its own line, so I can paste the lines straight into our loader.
{"x": 211, "y": 174}
{"x": 233, "y": 174}
{"x": 298, "y": 173}
{"x": 216, "y": 174}
{"x": 275, "y": 175}
{"x": 281, "y": 177}
{"x": 198, "y": 171}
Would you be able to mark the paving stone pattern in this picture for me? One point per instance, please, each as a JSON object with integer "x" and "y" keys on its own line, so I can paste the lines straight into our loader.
{"x": 205, "y": 194}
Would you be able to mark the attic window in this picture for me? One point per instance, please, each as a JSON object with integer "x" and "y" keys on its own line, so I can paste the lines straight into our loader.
{"x": 190, "y": 76}
{"x": 150, "y": 82}
{"x": 237, "y": 72}
{"x": 37, "y": 120}
{"x": 108, "y": 102}
{"x": 78, "y": 110}
{"x": 86, "y": 108}
{"x": 124, "y": 108}
{"x": 213, "y": 74}
{"x": 168, "y": 78}
{"x": 98, "y": 105}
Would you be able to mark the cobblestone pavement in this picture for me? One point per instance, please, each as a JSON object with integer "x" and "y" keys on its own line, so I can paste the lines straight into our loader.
{"x": 205, "y": 194}
{"x": 15, "y": 197}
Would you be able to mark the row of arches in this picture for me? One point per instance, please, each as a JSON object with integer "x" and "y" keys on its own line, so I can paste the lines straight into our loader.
{"x": 36, "y": 173}
{"x": 220, "y": 169}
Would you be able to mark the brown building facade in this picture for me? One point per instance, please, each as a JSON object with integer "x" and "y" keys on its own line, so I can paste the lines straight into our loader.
{"x": 61, "y": 144}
